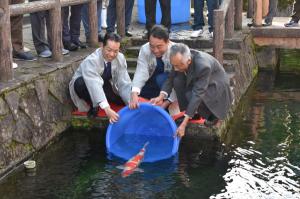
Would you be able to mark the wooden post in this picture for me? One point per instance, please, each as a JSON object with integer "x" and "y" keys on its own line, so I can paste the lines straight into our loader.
{"x": 238, "y": 12}
{"x": 257, "y": 12}
{"x": 6, "y": 72}
{"x": 93, "y": 23}
{"x": 265, "y": 7}
{"x": 229, "y": 21}
{"x": 250, "y": 10}
{"x": 56, "y": 31}
{"x": 218, "y": 35}
{"x": 121, "y": 17}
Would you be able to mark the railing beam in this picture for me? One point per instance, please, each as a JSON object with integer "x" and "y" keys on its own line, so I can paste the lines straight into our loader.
{"x": 229, "y": 20}
{"x": 73, "y": 2}
{"x": 56, "y": 31}
{"x": 6, "y": 72}
{"x": 24, "y": 8}
{"x": 93, "y": 23}
{"x": 238, "y": 18}
{"x": 218, "y": 38}
{"x": 121, "y": 18}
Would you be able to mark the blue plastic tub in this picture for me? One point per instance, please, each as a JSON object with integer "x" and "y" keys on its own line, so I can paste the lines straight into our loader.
{"x": 180, "y": 11}
{"x": 148, "y": 123}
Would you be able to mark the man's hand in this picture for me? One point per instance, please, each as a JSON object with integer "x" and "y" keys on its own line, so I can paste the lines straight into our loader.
{"x": 111, "y": 114}
{"x": 158, "y": 100}
{"x": 134, "y": 101}
{"x": 181, "y": 129}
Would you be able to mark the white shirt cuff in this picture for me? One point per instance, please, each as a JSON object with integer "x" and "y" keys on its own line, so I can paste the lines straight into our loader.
{"x": 188, "y": 116}
{"x": 136, "y": 89}
{"x": 165, "y": 93}
{"x": 104, "y": 104}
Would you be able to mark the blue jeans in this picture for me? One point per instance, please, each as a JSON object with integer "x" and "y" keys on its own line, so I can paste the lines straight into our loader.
{"x": 153, "y": 86}
{"x": 112, "y": 14}
{"x": 198, "y": 14}
{"x": 85, "y": 18}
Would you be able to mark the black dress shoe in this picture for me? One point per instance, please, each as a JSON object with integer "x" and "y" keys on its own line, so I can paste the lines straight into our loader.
{"x": 269, "y": 23}
{"x": 92, "y": 113}
{"x": 70, "y": 46}
{"x": 128, "y": 34}
{"x": 79, "y": 44}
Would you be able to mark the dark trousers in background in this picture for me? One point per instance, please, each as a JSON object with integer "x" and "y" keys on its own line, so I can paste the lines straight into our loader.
{"x": 39, "y": 22}
{"x": 296, "y": 11}
{"x": 184, "y": 95}
{"x": 150, "y": 11}
{"x": 272, "y": 10}
{"x": 16, "y": 24}
{"x": 71, "y": 31}
{"x": 112, "y": 14}
{"x": 83, "y": 93}
{"x": 198, "y": 14}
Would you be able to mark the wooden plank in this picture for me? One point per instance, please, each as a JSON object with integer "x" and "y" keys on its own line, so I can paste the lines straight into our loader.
{"x": 229, "y": 21}
{"x": 238, "y": 14}
{"x": 72, "y": 2}
{"x": 273, "y": 32}
{"x": 6, "y": 72}
{"x": 121, "y": 17}
{"x": 250, "y": 10}
{"x": 288, "y": 43}
{"x": 93, "y": 23}
{"x": 56, "y": 31}
{"x": 23, "y": 8}
{"x": 218, "y": 40}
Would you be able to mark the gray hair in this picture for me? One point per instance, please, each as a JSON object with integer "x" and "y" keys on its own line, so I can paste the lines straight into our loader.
{"x": 182, "y": 49}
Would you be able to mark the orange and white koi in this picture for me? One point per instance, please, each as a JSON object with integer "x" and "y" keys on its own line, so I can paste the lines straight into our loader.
{"x": 132, "y": 164}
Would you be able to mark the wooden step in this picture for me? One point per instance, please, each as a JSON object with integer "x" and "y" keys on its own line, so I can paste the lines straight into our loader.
{"x": 229, "y": 65}
{"x": 199, "y": 43}
{"x": 229, "y": 54}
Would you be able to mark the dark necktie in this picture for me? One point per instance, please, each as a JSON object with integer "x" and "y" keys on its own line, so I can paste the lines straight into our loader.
{"x": 107, "y": 71}
{"x": 159, "y": 65}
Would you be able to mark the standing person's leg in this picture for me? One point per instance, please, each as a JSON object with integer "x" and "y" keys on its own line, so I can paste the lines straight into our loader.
{"x": 75, "y": 20}
{"x": 211, "y": 6}
{"x": 198, "y": 18}
{"x": 85, "y": 18}
{"x": 150, "y": 12}
{"x": 111, "y": 16}
{"x": 128, "y": 13}
{"x": 296, "y": 11}
{"x": 66, "y": 36}
{"x": 17, "y": 30}
{"x": 271, "y": 13}
{"x": 165, "y": 6}
{"x": 17, "y": 36}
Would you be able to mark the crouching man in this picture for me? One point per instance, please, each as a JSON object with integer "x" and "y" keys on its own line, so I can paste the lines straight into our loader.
{"x": 201, "y": 85}
{"x": 101, "y": 78}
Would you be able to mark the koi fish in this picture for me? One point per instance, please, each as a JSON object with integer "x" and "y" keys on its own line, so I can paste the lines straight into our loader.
{"x": 132, "y": 164}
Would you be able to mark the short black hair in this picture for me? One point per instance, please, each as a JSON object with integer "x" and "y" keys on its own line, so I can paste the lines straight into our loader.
{"x": 111, "y": 36}
{"x": 160, "y": 32}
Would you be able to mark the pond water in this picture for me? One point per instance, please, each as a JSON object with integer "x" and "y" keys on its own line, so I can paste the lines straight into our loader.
{"x": 258, "y": 158}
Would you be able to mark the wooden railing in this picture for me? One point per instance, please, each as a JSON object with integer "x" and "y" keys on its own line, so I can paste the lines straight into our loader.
{"x": 227, "y": 18}
{"x": 54, "y": 7}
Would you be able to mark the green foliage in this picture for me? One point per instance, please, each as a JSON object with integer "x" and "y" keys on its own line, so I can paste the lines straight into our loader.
{"x": 283, "y": 4}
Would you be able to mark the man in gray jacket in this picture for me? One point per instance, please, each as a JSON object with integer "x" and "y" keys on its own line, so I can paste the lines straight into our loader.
{"x": 102, "y": 78}
{"x": 201, "y": 85}
{"x": 153, "y": 66}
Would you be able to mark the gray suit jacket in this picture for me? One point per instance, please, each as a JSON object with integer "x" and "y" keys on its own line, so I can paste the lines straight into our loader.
{"x": 91, "y": 70}
{"x": 206, "y": 81}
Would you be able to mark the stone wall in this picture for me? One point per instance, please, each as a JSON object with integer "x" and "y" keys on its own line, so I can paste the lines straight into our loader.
{"x": 32, "y": 113}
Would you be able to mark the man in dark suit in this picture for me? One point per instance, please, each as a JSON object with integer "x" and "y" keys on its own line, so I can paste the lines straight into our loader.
{"x": 201, "y": 85}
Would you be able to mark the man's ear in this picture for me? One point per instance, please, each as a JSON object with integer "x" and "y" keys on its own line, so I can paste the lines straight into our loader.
{"x": 189, "y": 61}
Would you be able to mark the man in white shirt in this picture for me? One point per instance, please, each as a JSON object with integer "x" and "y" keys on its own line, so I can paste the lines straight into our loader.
{"x": 102, "y": 78}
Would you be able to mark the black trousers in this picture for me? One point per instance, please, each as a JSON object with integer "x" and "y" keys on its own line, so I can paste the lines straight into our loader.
{"x": 83, "y": 93}
{"x": 150, "y": 11}
{"x": 71, "y": 27}
{"x": 296, "y": 11}
{"x": 184, "y": 95}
